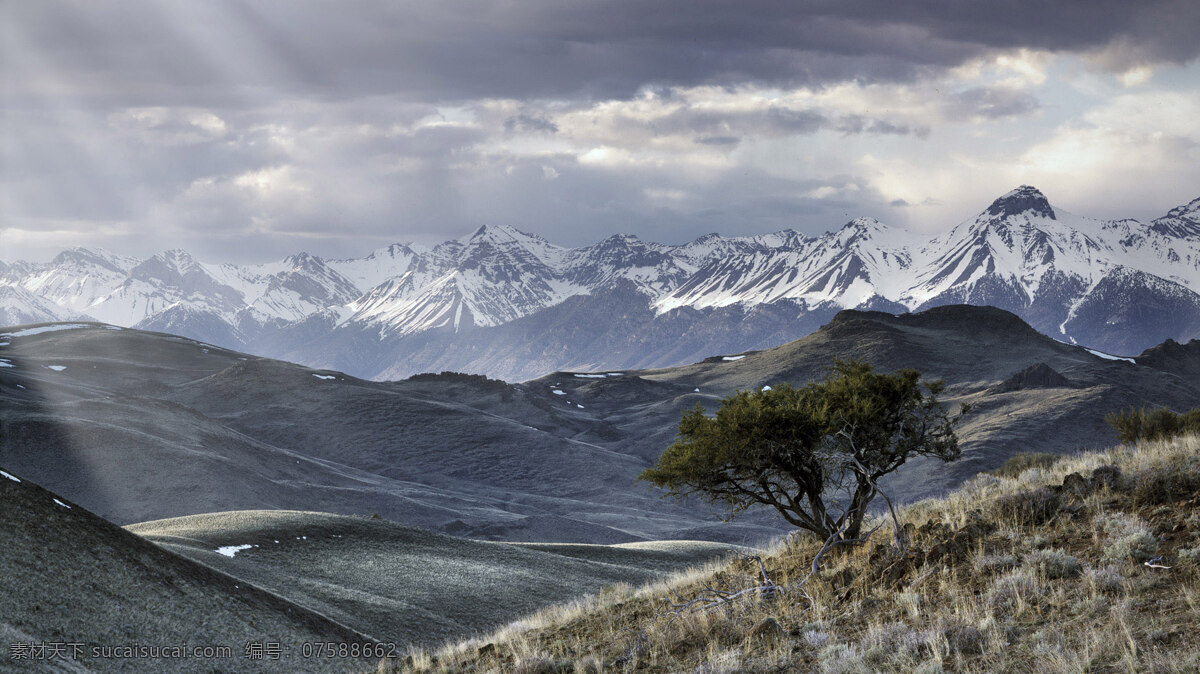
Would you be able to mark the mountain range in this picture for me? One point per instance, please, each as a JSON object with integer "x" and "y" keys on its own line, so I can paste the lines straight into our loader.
{"x": 514, "y": 306}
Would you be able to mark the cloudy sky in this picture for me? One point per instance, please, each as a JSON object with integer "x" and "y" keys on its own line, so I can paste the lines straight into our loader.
{"x": 248, "y": 130}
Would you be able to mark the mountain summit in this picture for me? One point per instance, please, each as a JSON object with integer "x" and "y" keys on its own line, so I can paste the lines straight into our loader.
{"x": 506, "y": 303}
{"x": 1024, "y": 199}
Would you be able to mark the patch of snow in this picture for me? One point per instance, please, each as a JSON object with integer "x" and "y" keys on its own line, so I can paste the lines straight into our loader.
{"x": 324, "y": 376}
{"x": 20, "y": 387}
{"x": 696, "y": 390}
{"x": 579, "y": 406}
{"x": 558, "y": 392}
{"x": 766, "y": 388}
{"x": 27, "y": 332}
{"x": 113, "y": 327}
{"x": 62, "y": 504}
{"x": 56, "y": 368}
{"x": 615, "y": 374}
{"x": 732, "y": 357}
{"x": 231, "y": 550}
{"x": 11, "y": 477}
{"x": 1109, "y": 356}
{"x": 6, "y": 363}
{"x": 591, "y": 376}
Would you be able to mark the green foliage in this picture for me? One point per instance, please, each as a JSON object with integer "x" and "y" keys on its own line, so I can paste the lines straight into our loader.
{"x": 787, "y": 447}
{"x": 1135, "y": 425}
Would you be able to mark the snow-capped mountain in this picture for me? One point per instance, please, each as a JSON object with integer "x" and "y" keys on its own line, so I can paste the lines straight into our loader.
{"x": 1120, "y": 286}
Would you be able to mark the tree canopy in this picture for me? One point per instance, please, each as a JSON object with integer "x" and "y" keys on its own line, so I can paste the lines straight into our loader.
{"x": 813, "y": 453}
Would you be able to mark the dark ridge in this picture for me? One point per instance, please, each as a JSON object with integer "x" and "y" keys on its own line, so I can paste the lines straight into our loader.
{"x": 961, "y": 318}
{"x": 1024, "y": 199}
{"x": 1038, "y": 375}
{"x": 972, "y": 319}
{"x": 1173, "y": 357}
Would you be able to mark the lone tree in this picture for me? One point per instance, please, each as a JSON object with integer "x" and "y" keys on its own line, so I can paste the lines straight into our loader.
{"x": 791, "y": 448}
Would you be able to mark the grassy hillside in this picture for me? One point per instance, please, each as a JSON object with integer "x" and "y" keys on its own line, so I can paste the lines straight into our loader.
{"x": 1090, "y": 563}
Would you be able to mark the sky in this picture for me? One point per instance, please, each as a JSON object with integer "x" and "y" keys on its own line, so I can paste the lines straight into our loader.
{"x": 245, "y": 131}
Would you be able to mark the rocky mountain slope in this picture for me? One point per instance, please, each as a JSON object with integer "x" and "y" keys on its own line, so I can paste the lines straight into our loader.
{"x": 508, "y": 304}
{"x": 138, "y": 426}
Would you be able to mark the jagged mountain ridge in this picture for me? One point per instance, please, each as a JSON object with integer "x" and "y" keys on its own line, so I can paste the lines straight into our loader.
{"x": 1120, "y": 286}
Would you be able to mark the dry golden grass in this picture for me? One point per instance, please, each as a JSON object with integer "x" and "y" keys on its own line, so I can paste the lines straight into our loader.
{"x": 1040, "y": 572}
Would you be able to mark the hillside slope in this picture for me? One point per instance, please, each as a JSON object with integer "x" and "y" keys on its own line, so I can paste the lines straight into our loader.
{"x": 69, "y": 577}
{"x": 1090, "y": 564}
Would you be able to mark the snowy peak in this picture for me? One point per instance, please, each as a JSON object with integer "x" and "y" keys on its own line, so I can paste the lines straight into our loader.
{"x": 496, "y": 234}
{"x": 868, "y": 234}
{"x": 624, "y": 250}
{"x": 1182, "y": 222}
{"x": 1190, "y": 210}
{"x": 306, "y": 284}
{"x": 303, "y": 262}
{"x": 102, "y": 259}
{"x": 381, "y": 265}
{"x": 19, "y": 306}
{"x": 1026, "y": 199}
{"x": 171, "y": 267}
{"x": 502, "y": 235}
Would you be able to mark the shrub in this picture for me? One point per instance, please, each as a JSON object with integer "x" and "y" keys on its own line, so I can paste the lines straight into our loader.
{"x": 995, "y": 563}
{"x": 1053, "y": 563}
{"x": 1009, "y": 590}
{"x": 1189, "y": 556}
{"x": 1163, "y": 485}
{"x": 535, "y": 665}
{"x": 1128, "y": 538}
{"x": 1028, "y": 508}
{"x": 1019, "y": 463}
{"x": 897, "y": 636}
{"x": 966, "y": 639}
{"x": 1107, "y": 580}
{"x": 1139, "y": 547}
{"x": 842, "y": 659}
{"x": 815, "y": 638}
{"x": 1140, "y": 424}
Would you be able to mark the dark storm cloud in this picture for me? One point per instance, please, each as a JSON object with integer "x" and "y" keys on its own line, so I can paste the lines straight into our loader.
{"x": 203, "y": 53}
{"x": 363, "y": 122}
